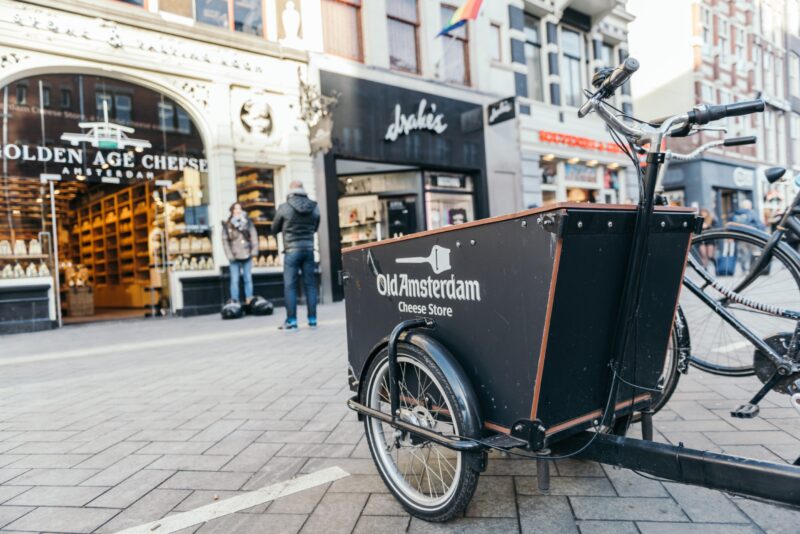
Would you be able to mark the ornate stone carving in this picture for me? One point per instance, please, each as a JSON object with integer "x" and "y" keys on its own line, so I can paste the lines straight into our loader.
{"x": 8, "y": 59}
{"x": 196, "y": 91}
{"x": 256, "y": 115}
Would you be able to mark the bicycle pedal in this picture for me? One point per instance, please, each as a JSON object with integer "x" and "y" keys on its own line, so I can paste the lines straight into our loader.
{"x": 746, "y": 411}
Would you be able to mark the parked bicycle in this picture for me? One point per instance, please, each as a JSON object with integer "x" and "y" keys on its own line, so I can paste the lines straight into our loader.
{"x": 741, "y": 295}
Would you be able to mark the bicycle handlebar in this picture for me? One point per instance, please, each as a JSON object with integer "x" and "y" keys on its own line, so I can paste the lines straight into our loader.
{"x": 704, "y": 114}
{"x": 614, "y": 81}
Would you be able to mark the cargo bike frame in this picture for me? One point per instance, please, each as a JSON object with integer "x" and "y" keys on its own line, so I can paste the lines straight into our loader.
{"x": 542, "y": 331}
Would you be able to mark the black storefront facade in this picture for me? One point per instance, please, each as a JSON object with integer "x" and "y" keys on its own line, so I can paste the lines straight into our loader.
{"x": 402, "y": 161}
{"x": 715, "y": 184}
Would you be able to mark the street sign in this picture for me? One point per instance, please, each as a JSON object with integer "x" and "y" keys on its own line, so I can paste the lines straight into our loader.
{"x": 501, "y": 111}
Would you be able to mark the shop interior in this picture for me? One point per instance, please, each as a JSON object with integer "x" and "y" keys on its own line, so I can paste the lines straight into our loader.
{"x": 381, "y": 201}
{"x": 575, "y": 180}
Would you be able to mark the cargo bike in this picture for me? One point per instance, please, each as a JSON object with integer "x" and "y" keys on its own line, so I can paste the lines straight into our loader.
{"x": 540, "y": 333}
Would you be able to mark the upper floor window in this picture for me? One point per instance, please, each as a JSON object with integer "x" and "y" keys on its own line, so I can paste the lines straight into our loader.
{"x": 456, "y": 50}
{"x": 739, "y": 44}
{"x": 245, "y": 16}
{"x": 793, "y": 17}
{"x": 22, "y": 94}
{"x": 341, "y": 28}
{"x": 66, "y": 98}
{"x": 706, "y": 22}
{"x": 403, "y": 27}
{"x": 495, "y": 42}
{"x": 118, "y": 105}
{"x": 533, "y": 57}
{"x": 794, "y": 74}
{"x": 571, "y": 85}
{"x": 46, "y": 93}
{"x": 723, "y": 37}
{"x": 606, "y": 57}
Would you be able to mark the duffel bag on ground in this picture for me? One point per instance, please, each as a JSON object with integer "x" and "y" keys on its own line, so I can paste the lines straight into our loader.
{"x": 232, "y": 310}
{"x": 260, "y": 306}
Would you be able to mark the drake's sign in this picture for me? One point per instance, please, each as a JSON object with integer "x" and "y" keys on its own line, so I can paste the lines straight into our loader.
{"x": 425, "y": 118}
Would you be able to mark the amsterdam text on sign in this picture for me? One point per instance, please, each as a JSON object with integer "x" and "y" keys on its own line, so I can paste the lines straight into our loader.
{"x": 575, "y": 141}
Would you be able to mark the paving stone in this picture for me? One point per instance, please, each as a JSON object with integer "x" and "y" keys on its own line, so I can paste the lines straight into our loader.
{"x": 277, "y": 436}
{"x": 383, "y": 504}
{"x": 315, "y": 449}
{"x": 346, "y": 432}
{"x": 627, "y": 508}
{"x": 697, "y": 528}
{"x": 502, "y": 466}
{"x": 629, "y": 484}
{"x": 102, "y": 442}
{"x": 234, "y": 443}
{"x": 354, "y": 466}
{"x": 155, "y": 505}
{"x": 49, "y": 435}
{"x": 465, "y": 525}
{"x": 336, "y": 512}
{"x": 111, "y": 455}
{"x": 252, "y": 458}
{"x": 275, "y": 470}
{"x": 760, "y": 437}
{"x": 705, "y": 505}
{"x": 56, "y": 496}
{"x": 206, "y": 480}
{"x": 63, "y": 519}
{"x": 494, "y": 497}
{"x": 116, "y": 473}
{"x": 190, "y": 462}
{"x": 359, "y": 484}
{"x": 772, "y": 519}
{"x": 382, "y": 524}
{"x": 44, "y": 447}
{"x": 302, "y": 502}
{"x": 164, "y": 435}
{"x": 9, "y": 514}
{"x": 129, "y": 491}
{"x": 175, "y": 447}
{"x": 545, "y": 514}
{"x": 47, "y": 461}
{"x": 257, "y": 424}
{"x": 54, "y": 477}
{"x": 8, "y": 473}
{"x": 609, "y": 527}
{"x": 9, "y": 492}
{"x": 217, "y": 431}
{"x": 567, "y": 486}
{"x": 577, "y": 468}
{"x": 254, "y": 524}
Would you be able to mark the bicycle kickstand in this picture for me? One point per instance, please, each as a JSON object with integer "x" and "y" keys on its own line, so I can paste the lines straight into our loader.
{"x": 750, "y": 410}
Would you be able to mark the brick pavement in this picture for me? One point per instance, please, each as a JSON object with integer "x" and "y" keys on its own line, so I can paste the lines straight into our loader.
{"x": 115, "y": 425}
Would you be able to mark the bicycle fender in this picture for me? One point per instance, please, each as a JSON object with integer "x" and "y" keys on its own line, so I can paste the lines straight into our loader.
{"x": 684, "y": 341}
{"x": 465, "y": 396}
{"x": 755, "y": 232}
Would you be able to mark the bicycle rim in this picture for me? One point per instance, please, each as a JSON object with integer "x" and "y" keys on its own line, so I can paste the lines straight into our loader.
{"x": 728, "y": 256}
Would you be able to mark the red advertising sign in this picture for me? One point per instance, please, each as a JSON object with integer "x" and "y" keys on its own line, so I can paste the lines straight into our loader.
{"x": 579, "y": 142}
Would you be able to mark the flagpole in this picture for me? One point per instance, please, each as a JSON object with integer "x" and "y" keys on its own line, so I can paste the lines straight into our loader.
{"x": 445, "y": 49}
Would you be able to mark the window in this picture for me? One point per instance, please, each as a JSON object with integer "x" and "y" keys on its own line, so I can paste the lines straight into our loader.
{"x": 184, "y": 122}
{"x": 248, "y": 17}
{"x": 103, "y": 104}
{"x": 606, "y": 58}
{"x": 66, "y": 99}
{"x": 495, "y": 42}
{"x": 139, "y": 3}
{"x": 122, "y": 107}
{"x": 177, "y": 7}
{"x": 793, "y": 17}
{"x": 456, "y": 50}
{"x": 245, "y": 16}
{"x": 794, "y": 74}
{"x": 403, "y": 24}
{"x": 780, "y": 88}
{"x": 769, "y": 75}
{"x": 46, "y": 97}
{"x": 740, "y": 43}
{"x": 571, "y": 44}
{"x": 707, "y": 93}
{"x": 722, "y": 37}
{"x": 533, "y": 57}
{"x": 22, "y": 94}
{"x": 166, "y": 116}
{"x": 706, "y": 20}
{"x": 341, "y": 21}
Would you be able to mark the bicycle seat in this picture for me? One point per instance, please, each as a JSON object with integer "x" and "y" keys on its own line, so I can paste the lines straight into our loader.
{"x": 774, "y": 174}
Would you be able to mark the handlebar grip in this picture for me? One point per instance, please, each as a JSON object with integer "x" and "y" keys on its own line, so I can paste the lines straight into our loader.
{"x": 619, "y": 76}
{"x": 706, "y": 114}
{"x": 739, "y": 141}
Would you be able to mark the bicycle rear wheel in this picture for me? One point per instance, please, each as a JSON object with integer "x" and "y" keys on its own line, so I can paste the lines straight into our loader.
{"x": 727, "y": 256}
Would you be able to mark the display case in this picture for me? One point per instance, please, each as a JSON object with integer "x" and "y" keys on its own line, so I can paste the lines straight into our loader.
{"x": 255, "y": 191}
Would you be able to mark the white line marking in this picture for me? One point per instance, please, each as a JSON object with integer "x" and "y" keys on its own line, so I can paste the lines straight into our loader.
{"x": 732, "y": 346}
{"x": 215, "y": 510}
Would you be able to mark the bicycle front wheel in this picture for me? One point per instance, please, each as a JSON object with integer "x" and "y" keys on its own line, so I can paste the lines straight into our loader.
{"x": 728, "y": 256}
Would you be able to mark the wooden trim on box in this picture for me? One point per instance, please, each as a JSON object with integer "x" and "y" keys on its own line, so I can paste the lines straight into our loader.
{"x": 592, "y": 415}
{"x": 546, "y": 331}
{"x": 497, "y": 428}
{"x": 520, "y": 214}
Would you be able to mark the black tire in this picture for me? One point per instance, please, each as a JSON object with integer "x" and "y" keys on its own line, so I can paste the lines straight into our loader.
{"x": 435, "y": 410}
{"x": 670, "y": 375}
{"x": 716, "y": 346}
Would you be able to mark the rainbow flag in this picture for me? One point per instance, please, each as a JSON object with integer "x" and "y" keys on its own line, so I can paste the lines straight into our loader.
{"x": 469, "y": 11}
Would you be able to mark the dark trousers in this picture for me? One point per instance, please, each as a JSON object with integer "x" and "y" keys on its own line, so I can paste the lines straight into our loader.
{"x": 294, "y": 262}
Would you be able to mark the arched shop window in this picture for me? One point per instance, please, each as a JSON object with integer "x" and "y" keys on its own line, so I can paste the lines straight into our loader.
{"x": 130, "y": 187}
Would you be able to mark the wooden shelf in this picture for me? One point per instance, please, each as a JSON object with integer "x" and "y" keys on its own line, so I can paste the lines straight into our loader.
{"x": 257, "y": 204}
{"x": 249, "y": 187}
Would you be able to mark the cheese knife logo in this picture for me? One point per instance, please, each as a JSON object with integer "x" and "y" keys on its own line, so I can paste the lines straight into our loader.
{"x": 438, "y": 259}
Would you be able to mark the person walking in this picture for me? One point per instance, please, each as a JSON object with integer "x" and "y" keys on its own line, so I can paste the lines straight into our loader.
{"x": 240, "y": 241}
{"x": 745, "y": 253}
{"x": 298, "y": 219}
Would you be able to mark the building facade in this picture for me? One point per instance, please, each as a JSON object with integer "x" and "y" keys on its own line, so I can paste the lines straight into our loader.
{"x": 151, "y": 120}
{"x": 722, "y": 51}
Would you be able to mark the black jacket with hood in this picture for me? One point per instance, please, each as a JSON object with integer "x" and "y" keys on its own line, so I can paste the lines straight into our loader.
{"x": 298, "y": 219}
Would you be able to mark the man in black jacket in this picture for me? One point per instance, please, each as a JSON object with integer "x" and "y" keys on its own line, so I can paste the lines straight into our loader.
{"x": 298, "y": 219}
